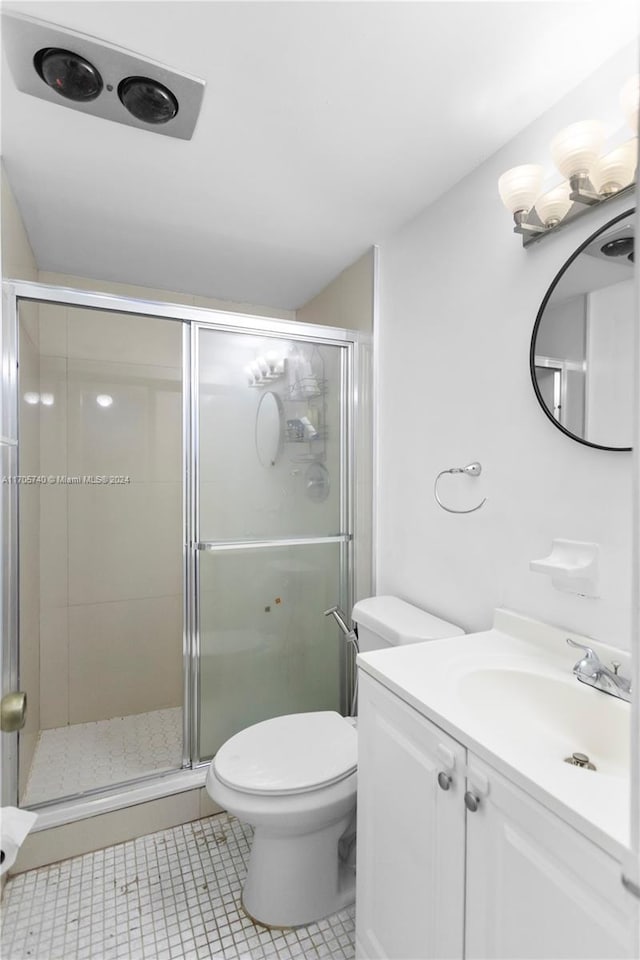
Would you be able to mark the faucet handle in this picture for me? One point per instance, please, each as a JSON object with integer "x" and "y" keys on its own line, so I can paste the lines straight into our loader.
{"x": 589, "y": 653}
{"x": 589, "y": 665}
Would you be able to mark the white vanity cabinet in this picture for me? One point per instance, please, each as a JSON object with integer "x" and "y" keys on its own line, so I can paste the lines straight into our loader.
{"x": 436, "y": 880}
{"x": 535, "y": 886}
{"x": 410, "y": 868}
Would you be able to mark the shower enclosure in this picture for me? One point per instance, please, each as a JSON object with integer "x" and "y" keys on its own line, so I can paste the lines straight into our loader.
{"x": 178, "y": 512}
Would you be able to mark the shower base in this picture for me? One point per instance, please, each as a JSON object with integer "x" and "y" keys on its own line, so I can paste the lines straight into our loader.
{"x": 85, "y": 756}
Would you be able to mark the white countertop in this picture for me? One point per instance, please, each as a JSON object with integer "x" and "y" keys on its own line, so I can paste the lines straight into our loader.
{"x": 509, "y": 696}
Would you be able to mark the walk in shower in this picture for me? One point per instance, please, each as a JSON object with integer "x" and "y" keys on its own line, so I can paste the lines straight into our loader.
{"x": 179, "y": 506}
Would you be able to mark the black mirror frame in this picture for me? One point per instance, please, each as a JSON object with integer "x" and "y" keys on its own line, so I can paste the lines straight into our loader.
{"x": 543, "y": 305}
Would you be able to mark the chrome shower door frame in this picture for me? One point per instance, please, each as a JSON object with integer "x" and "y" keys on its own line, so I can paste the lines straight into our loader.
{"x": 283, "y": 330}
{"x": 194, "y": 320}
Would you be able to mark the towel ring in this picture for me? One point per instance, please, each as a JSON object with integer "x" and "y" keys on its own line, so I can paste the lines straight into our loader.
{"x": 472, "y": 470}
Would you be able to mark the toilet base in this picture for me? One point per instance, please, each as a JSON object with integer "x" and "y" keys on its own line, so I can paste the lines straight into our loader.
{"x": 297, "y": 879}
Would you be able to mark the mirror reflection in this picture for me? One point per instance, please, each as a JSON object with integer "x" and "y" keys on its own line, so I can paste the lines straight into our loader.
{"x": 582, "y": 345}
{"x": 269, "y": 428}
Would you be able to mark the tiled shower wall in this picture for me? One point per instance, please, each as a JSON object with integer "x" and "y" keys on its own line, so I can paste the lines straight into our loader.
{"x": 110, "y": 557}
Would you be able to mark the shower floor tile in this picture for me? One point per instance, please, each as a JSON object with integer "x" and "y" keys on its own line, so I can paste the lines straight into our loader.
{"x": 83, "y": 756}
{"x": 173, "y": 895}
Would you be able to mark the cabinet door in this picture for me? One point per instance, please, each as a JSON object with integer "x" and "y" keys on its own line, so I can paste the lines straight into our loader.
{"x": 535, "y": 886}
{"x": 410, "y": 867}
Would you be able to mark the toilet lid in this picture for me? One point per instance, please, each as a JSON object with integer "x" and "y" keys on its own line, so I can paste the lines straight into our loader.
{"x": 291, "y": 754}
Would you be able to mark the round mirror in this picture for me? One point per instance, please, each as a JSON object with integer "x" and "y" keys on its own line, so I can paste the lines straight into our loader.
{"x": 269, "y": 428}
{"x": 582, "y": 345}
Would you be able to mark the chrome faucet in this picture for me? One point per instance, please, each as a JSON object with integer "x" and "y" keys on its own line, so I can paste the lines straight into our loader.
{"x": 590, "y": 670}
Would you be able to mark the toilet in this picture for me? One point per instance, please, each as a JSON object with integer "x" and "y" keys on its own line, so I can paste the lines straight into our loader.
{"x": 293, "y": 779}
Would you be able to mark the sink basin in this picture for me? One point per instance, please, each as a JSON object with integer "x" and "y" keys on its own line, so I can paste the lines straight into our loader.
{"x": 550, "y": 716}
{"x": 509, "y": 695}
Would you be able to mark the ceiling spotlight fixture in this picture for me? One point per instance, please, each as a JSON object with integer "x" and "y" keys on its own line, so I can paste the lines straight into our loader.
{"x": 148, "y": 100}
{"x": 104, "y": 400}
{"x": 593, "y": 173}
{"x": 621, "y": 247}
{"x": 68, "y": 74}
{"x": 93, "y": 76}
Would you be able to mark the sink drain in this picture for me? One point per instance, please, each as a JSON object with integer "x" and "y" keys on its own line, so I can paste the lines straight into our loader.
{"x": 580, "y": 760}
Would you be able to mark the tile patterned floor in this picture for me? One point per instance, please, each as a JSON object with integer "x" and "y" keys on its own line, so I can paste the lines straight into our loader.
{"x": 173, "y": 895}
{"x": 83, "y": 756}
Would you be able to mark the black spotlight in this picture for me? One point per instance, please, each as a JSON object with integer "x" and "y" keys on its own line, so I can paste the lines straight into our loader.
{"x": 148, "y": 100}
{"x": 68, "y": 74}
{"x": 632, "y": 257}
{"x": 621, "y": 247}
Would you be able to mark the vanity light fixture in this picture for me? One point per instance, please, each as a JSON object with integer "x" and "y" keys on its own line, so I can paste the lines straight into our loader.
{"x": 575, "y": 151}
{"x": 265, "y": 369}
{"x": 616, "y": 169}
{"x": 591, "y": 177}
{"x": 518, "y": 190}
{"x": 552, "y": 207}
{"x": 275, "y": 364}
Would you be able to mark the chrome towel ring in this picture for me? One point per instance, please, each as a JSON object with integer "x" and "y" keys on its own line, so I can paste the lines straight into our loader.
{"x": 472, "y": 470}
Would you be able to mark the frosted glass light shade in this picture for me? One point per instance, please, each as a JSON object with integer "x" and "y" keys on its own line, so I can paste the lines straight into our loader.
{"x": 520, "y": 186}
{"x": 554, "y": 205}
{"x": 576, "y": 148}
{"x": 617, "y": 168}
{"x": 630, "y": 101}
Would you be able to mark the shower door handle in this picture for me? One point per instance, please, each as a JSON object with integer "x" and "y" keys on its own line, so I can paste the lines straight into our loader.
{"x": 13, "y": 711}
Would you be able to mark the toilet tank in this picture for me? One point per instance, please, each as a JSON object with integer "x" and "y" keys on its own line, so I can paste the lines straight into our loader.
{"x": 391, "y": 622}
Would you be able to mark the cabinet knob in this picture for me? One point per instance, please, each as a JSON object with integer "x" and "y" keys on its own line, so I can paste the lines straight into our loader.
{"x": 444, "y": 780}
{"x": 471, "y": 801}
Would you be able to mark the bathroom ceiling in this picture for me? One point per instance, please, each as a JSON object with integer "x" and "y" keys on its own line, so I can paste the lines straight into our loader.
{"x": 324, "y": 127}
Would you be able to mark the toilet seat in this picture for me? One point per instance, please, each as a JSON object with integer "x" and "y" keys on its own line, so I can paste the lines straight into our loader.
{"x": 296, "y": 753}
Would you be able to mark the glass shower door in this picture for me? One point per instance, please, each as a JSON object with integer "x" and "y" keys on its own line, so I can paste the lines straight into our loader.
{"x": 272, "y": 528}
{"x": 100, "y": 493}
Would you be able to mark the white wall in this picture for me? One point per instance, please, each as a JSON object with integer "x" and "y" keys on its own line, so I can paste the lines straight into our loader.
{"x": 459, "y": 296}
